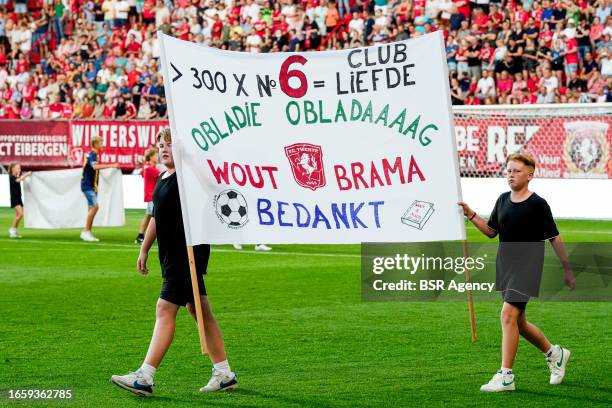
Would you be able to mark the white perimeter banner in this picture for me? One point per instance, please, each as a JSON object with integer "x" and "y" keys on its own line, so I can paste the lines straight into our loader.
{"x": 326, "y": 147}
{"x": 53, "y": 199}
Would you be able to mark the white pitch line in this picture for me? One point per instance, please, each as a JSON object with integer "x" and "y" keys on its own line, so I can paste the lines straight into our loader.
{"x": 135, "y": 248}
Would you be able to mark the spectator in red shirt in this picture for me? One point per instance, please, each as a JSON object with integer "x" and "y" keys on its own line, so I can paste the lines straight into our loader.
{"x": 504, "y": 84}
{"x": 56, "y": 109}
{"x": 216, "y": 31}
{"x": 68, "y": 109}
{"x": 463, "y": 6}
{"x": 480, "y": 18}
{"x": 12, "y": 111}
{"x": 571, "y": 55}
{"x": 130, "y": 108}
{"x": 109, "y": 109}
{"x": 183, "y": 30}
{"x": 495, "y": 16}
{"x": 132, "y": 47}
{"x": 472, "y": 100}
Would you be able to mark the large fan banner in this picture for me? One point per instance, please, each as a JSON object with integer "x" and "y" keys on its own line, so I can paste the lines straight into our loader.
{"x": 331, "y": 147}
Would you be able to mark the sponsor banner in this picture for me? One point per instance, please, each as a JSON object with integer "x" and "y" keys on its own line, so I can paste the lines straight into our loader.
{"x": 34, "y": 144}
{"x": 563, "y": 147}
{"x": 63, "y": 144}
{"x": 124, "y": 142}
{"x": 332, "y": 147}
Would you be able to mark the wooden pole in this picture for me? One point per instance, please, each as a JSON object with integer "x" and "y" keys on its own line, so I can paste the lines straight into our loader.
{"x": 196, "y": 298}
{"x": 469, "y": 296}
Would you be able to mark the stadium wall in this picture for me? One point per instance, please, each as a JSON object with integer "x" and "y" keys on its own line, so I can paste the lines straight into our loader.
{"x": 568, "y": 198}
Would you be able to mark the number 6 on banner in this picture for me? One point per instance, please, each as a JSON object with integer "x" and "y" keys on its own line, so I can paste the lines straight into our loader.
{"x": 285, "y": 74}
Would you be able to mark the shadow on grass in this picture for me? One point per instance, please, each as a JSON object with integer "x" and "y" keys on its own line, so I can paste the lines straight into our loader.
{"x": 580, "y": 400}
{"x": 268, "y": 399}
{"x": 224, "y": 400}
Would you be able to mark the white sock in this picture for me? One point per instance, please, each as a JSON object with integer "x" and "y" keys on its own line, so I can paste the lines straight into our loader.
{"x": 148, "y": 371}
{"x": 553, "y": 352}
{"x": 223, "y": 367}
{"x": 506, "y": 371}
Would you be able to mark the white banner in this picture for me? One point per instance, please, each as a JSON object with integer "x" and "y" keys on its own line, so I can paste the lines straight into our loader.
{"x": 53, "y": 199}
{"x": 329, "y": 147}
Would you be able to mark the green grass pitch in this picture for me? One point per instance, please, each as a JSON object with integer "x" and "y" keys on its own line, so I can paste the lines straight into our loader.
{"x": 72, "y": 314}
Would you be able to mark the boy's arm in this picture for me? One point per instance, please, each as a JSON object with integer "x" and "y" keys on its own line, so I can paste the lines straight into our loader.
{"x": 478, "y": 222}
{"x": 105, "y": 166}
{"x": 23, "y": 176}
{"x": 559, "y": 247}
{"x": 149, "y": 238}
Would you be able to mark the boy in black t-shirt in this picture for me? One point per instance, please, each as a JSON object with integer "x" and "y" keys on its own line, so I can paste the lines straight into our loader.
{"x": 523, "y": 221}
{"x": 167, "y": 226}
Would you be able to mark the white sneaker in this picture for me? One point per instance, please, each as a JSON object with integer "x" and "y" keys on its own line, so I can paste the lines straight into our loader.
{"x": 87, "y": 236}
{"x": 220, "y": 382}
{"x": 14, "y": 233}
{"x": 557, "y": 363}
{"x": 262, "y": 247}
{"x": 237, "y": 246}
{"x": 499, "y": 382}
{"x": 134, "y": 382}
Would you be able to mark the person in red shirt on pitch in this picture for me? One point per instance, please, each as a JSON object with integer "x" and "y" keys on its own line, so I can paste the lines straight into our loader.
{"x": 150, "y": 173}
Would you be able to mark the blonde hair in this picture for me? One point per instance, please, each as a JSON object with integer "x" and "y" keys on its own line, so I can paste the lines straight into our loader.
{"x": 524, "y": 158}
{"x": 95, "y": 139}
{"x": 164, "y": 133}
{"x": 11, "y": 166}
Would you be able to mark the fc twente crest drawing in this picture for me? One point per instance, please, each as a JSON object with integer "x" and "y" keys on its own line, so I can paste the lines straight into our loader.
{"x": 306, "y": 164}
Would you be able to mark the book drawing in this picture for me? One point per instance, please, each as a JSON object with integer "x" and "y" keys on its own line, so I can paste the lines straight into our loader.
{"x": 417, "y": 214}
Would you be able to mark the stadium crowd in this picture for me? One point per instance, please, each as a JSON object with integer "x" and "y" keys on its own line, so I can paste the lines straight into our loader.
{"x": 99, "y": 59}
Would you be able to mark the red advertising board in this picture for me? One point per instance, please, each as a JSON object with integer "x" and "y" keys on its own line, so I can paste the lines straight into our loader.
{"x": 124, "y": 142}
{"x": 61, "y": 144}
{"x": 34, "y": 144}
{"x": 577, "y": 147}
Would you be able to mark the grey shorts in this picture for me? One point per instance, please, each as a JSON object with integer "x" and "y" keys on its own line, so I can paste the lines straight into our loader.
{"x": 149, "y": 210}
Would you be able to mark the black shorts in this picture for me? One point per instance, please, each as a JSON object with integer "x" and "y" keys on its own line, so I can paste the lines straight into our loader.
{"x": 16, "y": 201}
{"x": 179, "y": 291}
{"x": 516, "y": 299}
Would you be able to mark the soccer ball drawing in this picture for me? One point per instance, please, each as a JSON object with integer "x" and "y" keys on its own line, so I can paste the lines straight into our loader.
{"x": 231, "y": 208}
